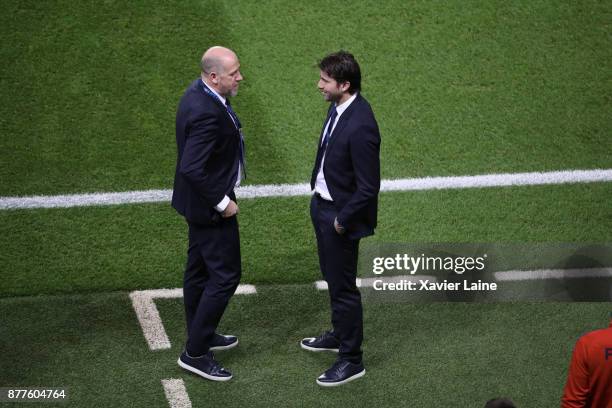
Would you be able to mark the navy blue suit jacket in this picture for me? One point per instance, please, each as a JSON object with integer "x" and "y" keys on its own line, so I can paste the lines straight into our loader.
{"x": 208, "y": 153}
{"x": 352, "y": 168}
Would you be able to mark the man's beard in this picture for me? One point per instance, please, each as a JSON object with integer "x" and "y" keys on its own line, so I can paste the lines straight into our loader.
{"x": 334, "y": 97}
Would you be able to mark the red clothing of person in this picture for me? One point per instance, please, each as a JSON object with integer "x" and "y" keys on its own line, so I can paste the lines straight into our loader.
{"x": 589, "y": 380}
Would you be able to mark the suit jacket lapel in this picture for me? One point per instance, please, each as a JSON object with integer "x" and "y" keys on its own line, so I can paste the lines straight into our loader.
{"x": 325, "y": 123}
{"x": 342, "y": 122}
{"x": 219, "y": 104}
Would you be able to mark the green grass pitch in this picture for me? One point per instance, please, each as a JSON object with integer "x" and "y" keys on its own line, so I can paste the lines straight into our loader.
{"x": 417, "y": 355}
{"x": 89, "y": 92}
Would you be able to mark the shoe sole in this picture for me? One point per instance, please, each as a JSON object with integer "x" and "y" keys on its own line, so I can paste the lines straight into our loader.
{"x": 229, "y": 346}
{"x": 317, "y": 349}
{"x": 335, "y": 384}
{"x": 202, "y": 373}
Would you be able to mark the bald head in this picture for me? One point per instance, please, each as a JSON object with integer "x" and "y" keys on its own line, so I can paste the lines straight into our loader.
{"x": 216, "y": 59}
{"x": 221, "y": 70}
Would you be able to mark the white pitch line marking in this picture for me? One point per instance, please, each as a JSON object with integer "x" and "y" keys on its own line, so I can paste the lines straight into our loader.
{"x": 499, "y": 180}
{"x": 151, "y": 323}
{"x": 303, "y": 189}
{"x": 321, "y": 285}
{"x": 176, "y": 393}
{"x": 369, "y": 282}
{"x": 540, "y": 274}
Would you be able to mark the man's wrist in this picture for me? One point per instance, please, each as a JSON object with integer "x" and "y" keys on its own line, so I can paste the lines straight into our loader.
{"x": 222, "y": 204}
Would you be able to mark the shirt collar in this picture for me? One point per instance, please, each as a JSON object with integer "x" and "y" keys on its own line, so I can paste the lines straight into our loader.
{"x": 344, "y": 105}
{"x": 222, "y": 99}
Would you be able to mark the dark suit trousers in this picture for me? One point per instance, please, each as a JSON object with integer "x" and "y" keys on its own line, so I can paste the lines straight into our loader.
{"x": 338, "y": 262}
{"x": 211, "y": 277}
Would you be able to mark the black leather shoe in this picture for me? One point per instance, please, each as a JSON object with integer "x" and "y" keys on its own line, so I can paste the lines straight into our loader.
{"x": 325, "y": 342}
{"x": 223, "y": 342}
{"x": 205, "y": 366}
{"x": 340, "y": 373}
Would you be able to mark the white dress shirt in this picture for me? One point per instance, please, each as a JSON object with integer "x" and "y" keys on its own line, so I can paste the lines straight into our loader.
{"x": 320, "y": 184}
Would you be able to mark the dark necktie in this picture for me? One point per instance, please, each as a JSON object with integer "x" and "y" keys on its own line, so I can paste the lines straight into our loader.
{"x": 239, "y": 126}
{"x": 332, "y": 119}
{"x": 323, "y": 145}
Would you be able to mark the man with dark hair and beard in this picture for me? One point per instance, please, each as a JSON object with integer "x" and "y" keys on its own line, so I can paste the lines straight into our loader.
{"x": 346, "y": 181}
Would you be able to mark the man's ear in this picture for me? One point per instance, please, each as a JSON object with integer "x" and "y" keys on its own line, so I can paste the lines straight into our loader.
{"x": 345, "y": 86}
{"x": 214, "y": 78}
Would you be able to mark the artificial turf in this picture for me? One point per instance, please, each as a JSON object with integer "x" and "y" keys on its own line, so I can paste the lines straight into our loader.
{"x": 143, "y": 246}
{"x": 89, "y": 96}
{"x": 90, "y": 89}
{"x": 415, "y": 355}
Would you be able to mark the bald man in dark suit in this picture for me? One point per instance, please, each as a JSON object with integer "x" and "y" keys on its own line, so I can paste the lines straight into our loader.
{"x": 210, "y": 164}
